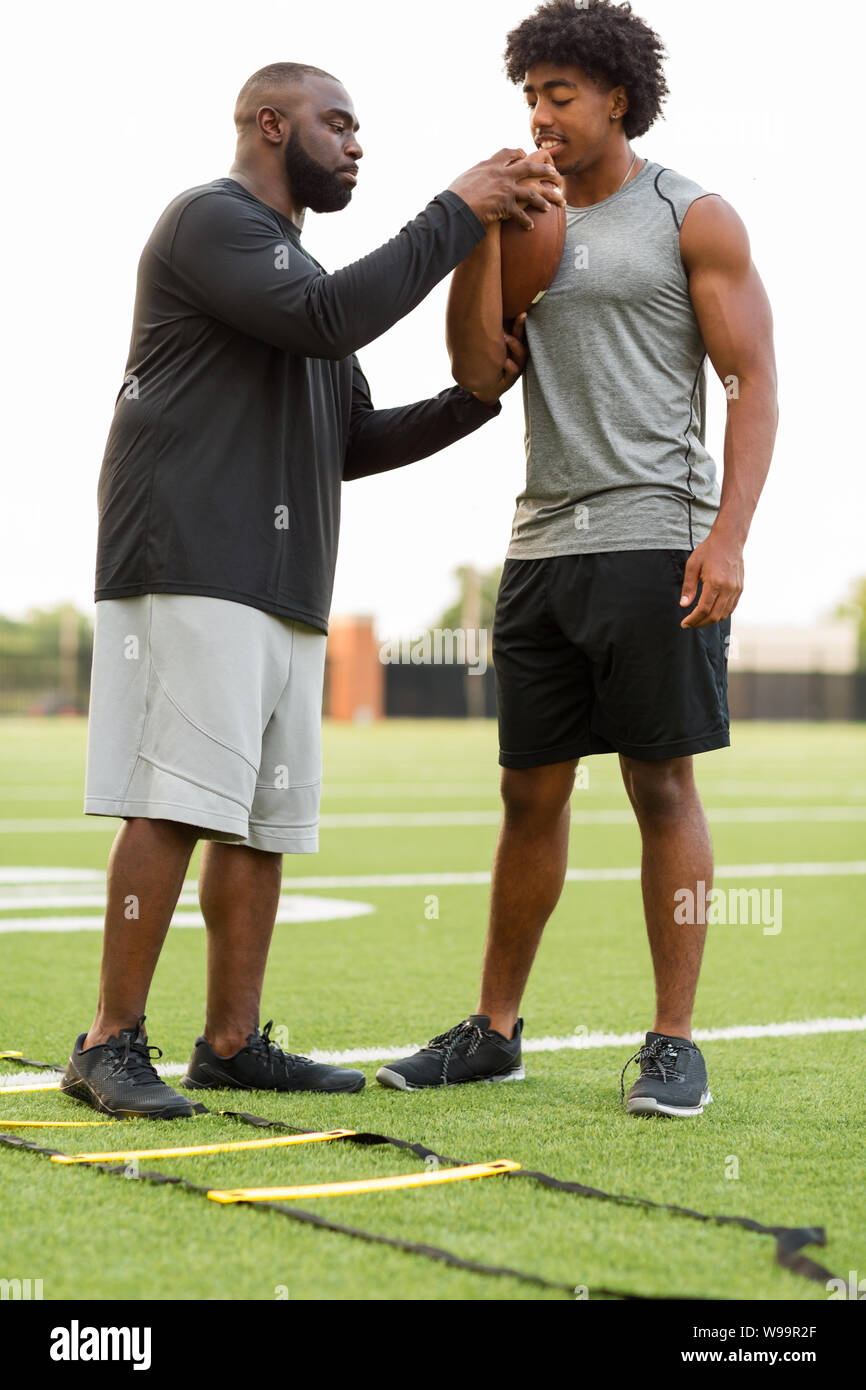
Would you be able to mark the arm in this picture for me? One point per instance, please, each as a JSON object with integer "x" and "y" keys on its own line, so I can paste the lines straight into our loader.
{"x": 234, "y": 264}
{"x": 474, "y": 333}
{"x": 482, "y": 352}
{"x": 485, "y": 358}
{"x": 736, "y": 322}
{"x": 381, "y": 440}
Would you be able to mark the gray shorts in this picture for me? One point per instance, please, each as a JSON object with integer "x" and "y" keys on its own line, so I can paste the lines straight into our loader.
{"x": 209, "y": 713}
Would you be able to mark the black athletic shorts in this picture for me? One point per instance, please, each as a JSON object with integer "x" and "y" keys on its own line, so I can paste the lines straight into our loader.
{"x": 590, "y": 657}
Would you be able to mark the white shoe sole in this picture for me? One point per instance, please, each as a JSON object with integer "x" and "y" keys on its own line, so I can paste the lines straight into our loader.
{"x": 395, "y": 1081}
{"x": 648, "y": 1105}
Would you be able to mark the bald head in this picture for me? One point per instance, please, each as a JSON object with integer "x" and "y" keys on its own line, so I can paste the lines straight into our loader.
{"x": 272, "y": 86}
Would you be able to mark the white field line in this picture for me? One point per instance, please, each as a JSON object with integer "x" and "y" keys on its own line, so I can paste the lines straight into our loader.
{"x": 627, "y": 875}
{"x": 381, "y": 820}
{"x": 576, "y": 1042}
{"x": 489, "y": 787}
{"x": 293, "y": 907}
{"x": 720, "y": 815}
{"x": 37, "y": 873}
{"x": 581, "y": 1042}
{"x": 375, "y": 820}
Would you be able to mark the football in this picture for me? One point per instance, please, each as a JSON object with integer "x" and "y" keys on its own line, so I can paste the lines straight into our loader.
{"x": 530, "y": 259}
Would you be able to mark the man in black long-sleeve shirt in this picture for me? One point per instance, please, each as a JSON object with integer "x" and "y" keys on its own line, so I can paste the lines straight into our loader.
{"x": 242, "y": 411}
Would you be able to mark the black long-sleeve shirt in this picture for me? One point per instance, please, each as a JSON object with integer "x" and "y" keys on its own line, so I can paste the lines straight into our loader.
{"x": 244, "y": 407}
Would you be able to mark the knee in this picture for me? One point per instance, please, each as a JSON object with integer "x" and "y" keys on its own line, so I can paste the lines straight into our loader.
{"x": 537, "y": 794}
{"x": 161, "y": 831}
{"x": 660, "y": 789}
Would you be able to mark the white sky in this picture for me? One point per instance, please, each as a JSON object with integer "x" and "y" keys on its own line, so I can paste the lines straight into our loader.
{"x": 111, "y": 110}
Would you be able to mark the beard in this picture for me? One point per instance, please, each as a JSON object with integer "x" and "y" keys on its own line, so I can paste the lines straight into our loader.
{"x": 313, "y": 185}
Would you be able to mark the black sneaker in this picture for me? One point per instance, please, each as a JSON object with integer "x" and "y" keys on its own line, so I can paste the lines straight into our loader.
{"x": 262, "y": 1066}
{"x": 118, "y": 1078}
{"x": 672, "y": 1081}
{"x": 471, "y": 1051}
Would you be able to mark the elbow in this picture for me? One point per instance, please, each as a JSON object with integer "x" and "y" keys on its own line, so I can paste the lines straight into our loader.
{"x": 475, "y": 382}
{"x": 318, "y": 346}
{"x": 474, "y": 374}
{"x": 332, "y": 349}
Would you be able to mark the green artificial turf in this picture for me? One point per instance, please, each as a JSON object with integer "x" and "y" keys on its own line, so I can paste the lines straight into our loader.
{"x": 787, "y": 1113}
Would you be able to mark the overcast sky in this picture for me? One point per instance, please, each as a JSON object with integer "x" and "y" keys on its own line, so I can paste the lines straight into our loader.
{"x": 111, "y": 110}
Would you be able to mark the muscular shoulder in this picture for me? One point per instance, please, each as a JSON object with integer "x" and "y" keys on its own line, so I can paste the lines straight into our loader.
{"x": 713, "y": 235}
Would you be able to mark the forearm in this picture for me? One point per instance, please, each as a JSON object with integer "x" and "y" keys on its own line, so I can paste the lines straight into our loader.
{"x": 474, "y": 332}
{"x": 383, "y": 440}
{"x": 750, "y": 437}
{"x": 356, "y": 305}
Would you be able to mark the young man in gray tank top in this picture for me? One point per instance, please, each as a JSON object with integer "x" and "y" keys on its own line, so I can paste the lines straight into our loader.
{"x": 626, "y": 559}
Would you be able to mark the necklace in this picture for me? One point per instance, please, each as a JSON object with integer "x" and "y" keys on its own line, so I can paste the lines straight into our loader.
{"x": 622, "y": 185}
{"x": 628, "y": 175}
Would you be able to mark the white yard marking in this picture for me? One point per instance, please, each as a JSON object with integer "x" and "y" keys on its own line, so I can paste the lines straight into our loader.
{"x": 577, "y": 1042}
{"x": 731, "y": 815}
{"x": 431, "y": 820}
{"x": 489, "y": 786}
{"x": 481, "y": 878}
{"x": 293, "y": 909}
{"x": 20, "y": 896}
{"x": 581, "y": 1042}
{"x": 49, "y": 874}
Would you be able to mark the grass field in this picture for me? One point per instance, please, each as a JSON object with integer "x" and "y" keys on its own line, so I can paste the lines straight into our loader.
{"x": 417, "y": 800}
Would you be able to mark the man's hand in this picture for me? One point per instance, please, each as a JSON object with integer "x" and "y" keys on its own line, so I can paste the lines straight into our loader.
{"x": 718, "y": 565}
{"x": 500, "y": 187}
{"x": 518, "y": 356}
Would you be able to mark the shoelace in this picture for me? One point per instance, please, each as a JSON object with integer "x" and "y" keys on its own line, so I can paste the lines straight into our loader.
{"x": 264, "y": 1046}
{"x": 134, "y": 1059}
{"x": 651, "y": 1058}
{"x": 446, "y": 1043}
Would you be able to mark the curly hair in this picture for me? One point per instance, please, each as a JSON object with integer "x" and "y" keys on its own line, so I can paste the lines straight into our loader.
{"x": 606, "y": 41}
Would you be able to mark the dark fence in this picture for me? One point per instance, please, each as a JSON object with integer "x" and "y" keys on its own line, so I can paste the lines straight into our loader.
{"x": 36, "y": 682}
{"x": 442, "y": 692}
{"x": 812, "y": 695}
{"x": 437, "y": 692}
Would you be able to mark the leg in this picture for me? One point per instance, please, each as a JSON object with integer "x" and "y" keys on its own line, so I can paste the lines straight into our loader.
{"x": 239, "y": 891}
{"x": 528, "y": 874}
{"x": 677, "y": 854}
{"x": 146, "y": 869}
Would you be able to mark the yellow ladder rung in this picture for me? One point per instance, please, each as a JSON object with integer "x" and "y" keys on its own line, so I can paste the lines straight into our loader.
{"x": 50, "y": 1124}
{"x": 338, "y": 1189}
{"x": 195, "y": 1149}
{"x": 23, "y": 1090}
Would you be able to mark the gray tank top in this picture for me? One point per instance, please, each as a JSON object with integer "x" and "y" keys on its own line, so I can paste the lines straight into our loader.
{"x": 615, "y": 390}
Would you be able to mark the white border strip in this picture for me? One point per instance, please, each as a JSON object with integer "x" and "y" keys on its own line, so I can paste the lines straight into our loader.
{"x": 576, "y": 1042}
{"x": 581, "y": 1042}
{"x": 295, "y": 909}
{"x": 19, "y": 890}
{"x": 835, "y": 868}
{"x": 383, "y": 820}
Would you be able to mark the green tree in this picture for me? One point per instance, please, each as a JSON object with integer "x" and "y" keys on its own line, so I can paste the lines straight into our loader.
{"x": 855, "y": 607}
{"x": 45, "y": 660}
{"x": 489, "y": 587}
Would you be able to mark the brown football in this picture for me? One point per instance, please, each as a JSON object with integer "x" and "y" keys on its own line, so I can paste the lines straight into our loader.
{"x": 530, "y": 260}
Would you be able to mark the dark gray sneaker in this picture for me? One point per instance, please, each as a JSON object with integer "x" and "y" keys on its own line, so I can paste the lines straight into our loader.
{"x": 471, "y": 1051}
{"x": 672, "y": 1081}
{"x": 118, "y": 1078}
{"x": 262, "y": 1066}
